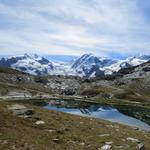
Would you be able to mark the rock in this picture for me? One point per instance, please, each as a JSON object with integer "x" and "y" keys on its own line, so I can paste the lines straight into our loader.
{"x": 82, "y": 144}
{"x": 69, "y": 92}
{"x": 136, "y": 128}
{"x": 25, "y": 111}
{"x": 141, "y": 146}
{"x": 88, "y": 146}
{"x": 106, "y": 147}
{"x": 40, "y": 122}
{"x": 25, "y": 116}
{"x": 51, "y": 131}
{"x": 55, "y": 140}
{"x": 132, "y": 139}
{"x": 119, "y": 147}
{"x": 73, "y": 142}
{"x": 108, "y": 143}
{"x": 117, "y": 130}
{"x": 16, "y": 107}
{"x": 13, "y": 147}
{"x": 28, "y": 147}
{"x": 21, "y": 110}
{"x": 5, "y": 142}
{"x": 110, "y": 126}
{"x": 103, "y": 135}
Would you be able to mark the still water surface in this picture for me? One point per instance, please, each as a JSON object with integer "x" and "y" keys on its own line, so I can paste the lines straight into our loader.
{"x": 105, "y": 112}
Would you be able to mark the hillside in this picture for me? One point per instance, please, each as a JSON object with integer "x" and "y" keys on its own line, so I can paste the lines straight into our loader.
{"x": 135, "y": 79}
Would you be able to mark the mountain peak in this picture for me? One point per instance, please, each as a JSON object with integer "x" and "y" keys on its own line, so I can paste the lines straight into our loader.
{"x": 35, "y": 55}
{"x": 26, "y": 55}
{"x": 146, "y": 57}
{"x": 88, "y": 65}
{"x": 88, "y": 56}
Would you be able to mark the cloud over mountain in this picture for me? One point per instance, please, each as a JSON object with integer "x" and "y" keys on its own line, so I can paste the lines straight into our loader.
{"x": 74, "y": 27}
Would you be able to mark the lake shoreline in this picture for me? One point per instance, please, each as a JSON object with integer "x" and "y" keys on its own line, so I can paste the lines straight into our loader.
{"x": 61, "y": 131}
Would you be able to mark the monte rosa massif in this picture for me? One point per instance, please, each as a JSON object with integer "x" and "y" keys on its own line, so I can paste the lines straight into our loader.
{"x": 88, "y": 65}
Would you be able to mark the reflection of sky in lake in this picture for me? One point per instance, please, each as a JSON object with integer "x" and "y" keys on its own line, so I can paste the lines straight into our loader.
{"x": 102, "y": 112}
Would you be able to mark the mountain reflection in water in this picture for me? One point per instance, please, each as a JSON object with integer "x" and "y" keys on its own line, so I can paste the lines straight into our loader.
{"x": 105, "y": 112}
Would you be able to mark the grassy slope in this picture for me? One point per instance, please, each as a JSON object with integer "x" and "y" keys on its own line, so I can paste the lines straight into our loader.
{"x": 73, "y": 132}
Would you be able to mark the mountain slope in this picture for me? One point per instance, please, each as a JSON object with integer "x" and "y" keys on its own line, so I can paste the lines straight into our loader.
{"x": 127, "y": 63}
{"x": 88, "y": 65}
{"x": 138, "y": 71}
{"x": 30, "y": 64}
{"x": 91, "y": 66}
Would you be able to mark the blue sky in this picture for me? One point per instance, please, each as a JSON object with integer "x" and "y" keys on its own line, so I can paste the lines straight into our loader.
{"x": 73, "y": 27}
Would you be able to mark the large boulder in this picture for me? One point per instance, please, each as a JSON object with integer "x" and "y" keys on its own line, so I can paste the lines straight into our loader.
{"x": 21, "y": 110}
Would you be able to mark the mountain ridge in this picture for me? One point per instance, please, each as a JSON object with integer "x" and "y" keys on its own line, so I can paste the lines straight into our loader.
{"x": 88, "y": 65}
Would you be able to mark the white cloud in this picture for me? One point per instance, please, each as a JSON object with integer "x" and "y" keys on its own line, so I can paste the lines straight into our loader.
{"x": 73, "y": 27}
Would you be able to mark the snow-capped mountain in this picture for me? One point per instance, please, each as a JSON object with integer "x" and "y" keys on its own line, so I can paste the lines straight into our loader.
{"x": 129, "y": 62}
{"x": 88, "y": 65}
{"x": 30, "y": 64}
{"x": 92, "y": 66}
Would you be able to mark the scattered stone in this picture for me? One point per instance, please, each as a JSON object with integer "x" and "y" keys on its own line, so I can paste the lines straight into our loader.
{"x": 28, "y": 147}
{"x": 40, "y": 122}
{"x": 132, "y": 139}
{"x": 82, "y": 144}
{"x": 51, "y": 131}
{"x": 110, "y": 126}
{"x": 103, "y": 135}
{"x": 55, "y": 140}
{"x": 106, "y": 147}
{"x": 117, "y": 130}
{"x": 119, "y": 147}
{"x": 25, "y": 116}
{"x": 73, "y": 142}
{"x": 136, "y": 128}
{"x": 13, "y": 147}
{"x": 108, "y": 143}
{"x": 126, "y": 145}
{"x": 123, "y": 140}
{"x": 88, "y": 146}
{"x": 5, "y": 142}
{"x": 141, "y": 146}
{"x": 21, "y": 110}
{"x": 116, "y": 126}
{"x": 16, "y": 107}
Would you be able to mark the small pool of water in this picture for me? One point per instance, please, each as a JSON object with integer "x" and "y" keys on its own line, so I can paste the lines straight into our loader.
{"x": 105, "y": 112}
